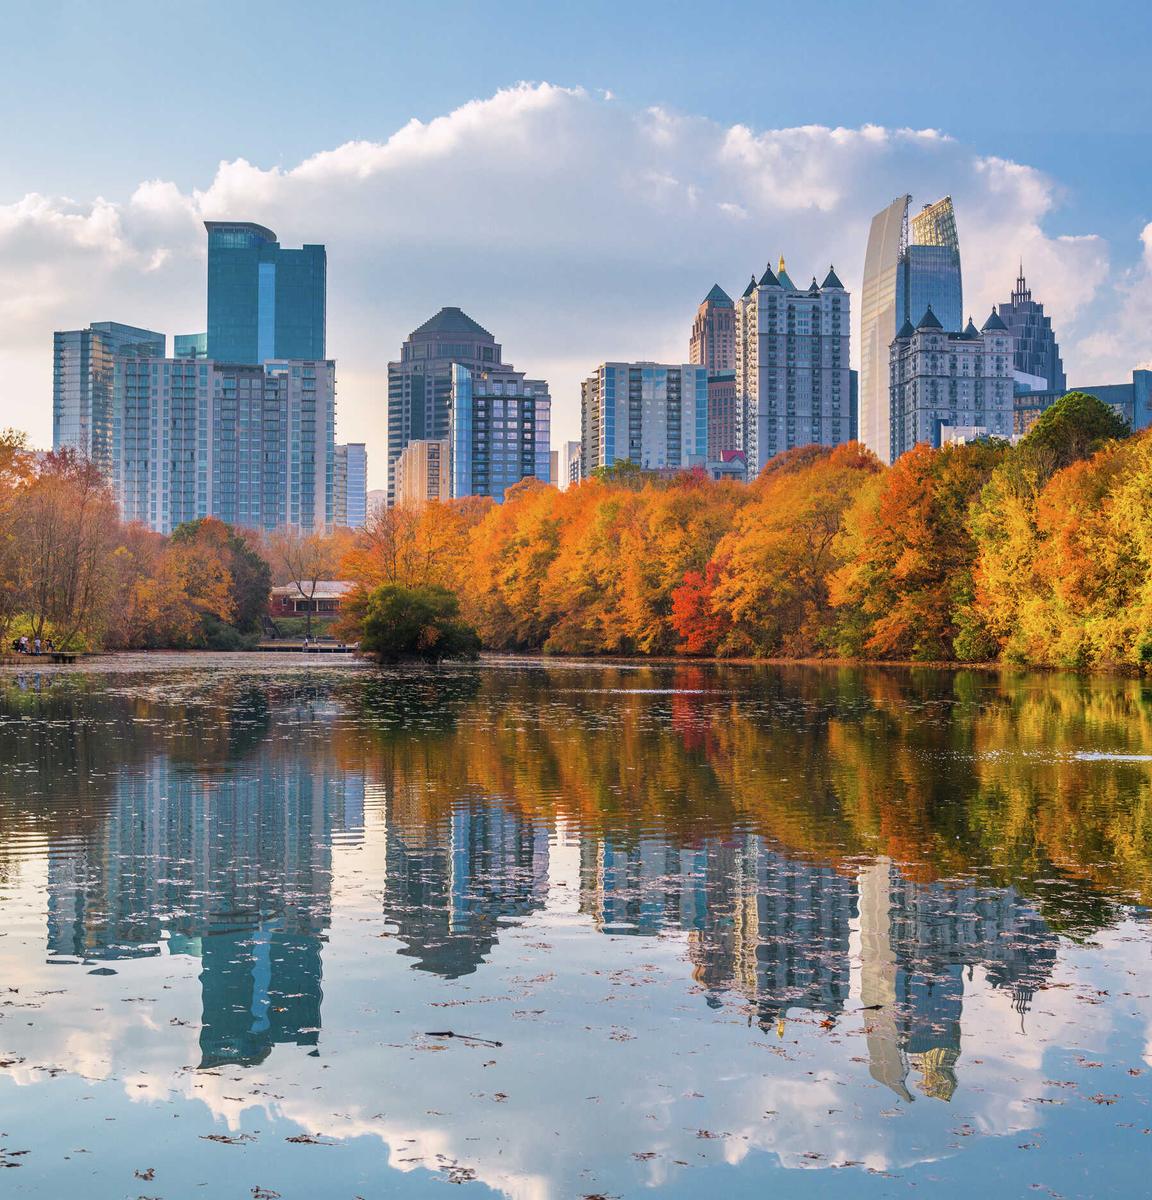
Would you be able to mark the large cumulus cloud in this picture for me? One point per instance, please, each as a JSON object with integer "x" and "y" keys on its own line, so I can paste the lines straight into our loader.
{"x": 572, "y": 226}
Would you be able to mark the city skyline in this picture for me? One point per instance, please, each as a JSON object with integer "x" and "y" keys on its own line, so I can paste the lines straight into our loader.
{"x": 596, "y": 188}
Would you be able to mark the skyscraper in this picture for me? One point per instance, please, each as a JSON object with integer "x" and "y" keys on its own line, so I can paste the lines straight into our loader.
{"x": 793, "y": 385}
{"x": 1035, "y": 350}
{"x": 903, "y": 276}
{"x": 713, "y": 341}
{"x": 497, "y": 421}
{"x": 420, "y": 383}
{"x": 83, "y": 367}
{"x": 252, "y": 445}
{"x": 650, "y": 414}
{"x": 264, "y": 302}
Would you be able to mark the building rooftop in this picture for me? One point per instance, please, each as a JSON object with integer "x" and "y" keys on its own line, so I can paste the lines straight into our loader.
{"x": 929, "y": 320}
{"x": 717, "y": 296}
{"x": 247, "y": 226}
{"x": 994, "y": 324}
{"x": 454, "y": 321}
{"x": 832, "y": 280}
{"x": 768, "y": 279}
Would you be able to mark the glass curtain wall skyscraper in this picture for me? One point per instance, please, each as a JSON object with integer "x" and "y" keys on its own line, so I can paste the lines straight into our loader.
{"x": 264, "y": 302}
{"x": 903, "y": 276}
{"x": 83, "y": 367}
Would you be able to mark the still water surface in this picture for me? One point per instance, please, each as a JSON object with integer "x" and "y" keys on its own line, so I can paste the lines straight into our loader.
{"x": 698, "y": 932}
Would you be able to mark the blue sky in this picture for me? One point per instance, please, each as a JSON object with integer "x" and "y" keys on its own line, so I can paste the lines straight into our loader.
{"x": 104, "y": 97}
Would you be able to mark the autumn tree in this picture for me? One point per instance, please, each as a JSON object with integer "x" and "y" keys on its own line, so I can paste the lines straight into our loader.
{"x": 772, "y": 588}
{"x": 66, "y": 526}
{"x": 15, "y": 470}
{"x": 908, "y": 553}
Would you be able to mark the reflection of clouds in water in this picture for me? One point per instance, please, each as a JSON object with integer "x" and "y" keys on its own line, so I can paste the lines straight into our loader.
{"x": 667, "y": 987}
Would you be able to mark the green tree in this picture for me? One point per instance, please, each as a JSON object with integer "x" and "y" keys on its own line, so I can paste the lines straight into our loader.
{"x": 415, "y": 623}
{"x": 1075, "y": 427}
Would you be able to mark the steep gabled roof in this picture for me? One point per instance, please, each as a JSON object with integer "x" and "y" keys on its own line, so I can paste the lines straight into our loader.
{"x": 929, "y": 320}
{"x": 784, "y": 277}
{"x": 970, "y": 330}
{"x": 455, "y": 321}
{"x": 768, "y": 279}
{"x": 813, "y": 287}
{"x": 906, "y": 330}
{"x": 994, "y": 324}
{"x": 717, "y": 296}
{"x": 831, "y": 280}
{"x": 750, "y": 288}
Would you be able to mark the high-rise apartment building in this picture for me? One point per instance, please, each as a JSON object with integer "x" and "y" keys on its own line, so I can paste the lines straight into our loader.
{"x": 713, "y": 341}
{"x": 499, "y": 430}
{"x": 253, "y": 445}
{"x": 793, "y": 384}
{"x": 1035, "y": 351}
{"x": 650, "y": 414}
{"x": 355, "y": 455}
{"x": 423, "y": 473}
{"x": 83, "y": 371}
{"x": 905, "y": 272}
{"x": 942, "y": 383}
{"x": 264, "y": 302}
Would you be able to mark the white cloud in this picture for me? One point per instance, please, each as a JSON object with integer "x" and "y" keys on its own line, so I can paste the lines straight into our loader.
{"x": 572, "y": 226}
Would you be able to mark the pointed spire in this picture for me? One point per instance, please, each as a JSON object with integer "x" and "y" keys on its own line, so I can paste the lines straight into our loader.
{"x": 906, "y": 330}
{"x": 782, "y": 275}
{"x": 768, "y": 279}
{"x": 970, "y": 330}
{"x": 750, "y": 288}
{"x": 813, "y": 287}
{"x": 717, "y": 296}
{"x": 1023, "y": 293}
{"x": 831, "y": 280}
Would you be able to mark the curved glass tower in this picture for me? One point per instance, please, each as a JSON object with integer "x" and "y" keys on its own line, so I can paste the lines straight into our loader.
{"x": 903, "y": 276}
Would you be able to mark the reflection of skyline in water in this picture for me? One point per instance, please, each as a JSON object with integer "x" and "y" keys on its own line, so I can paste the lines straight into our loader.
{"x": 214, "y": 838}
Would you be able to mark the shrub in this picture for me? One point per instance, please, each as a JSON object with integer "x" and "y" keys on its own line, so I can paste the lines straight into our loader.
{"x": 415, "y": 623}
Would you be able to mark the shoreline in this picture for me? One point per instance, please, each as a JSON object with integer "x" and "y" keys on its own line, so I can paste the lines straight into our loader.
{"x": 105, "y": 660}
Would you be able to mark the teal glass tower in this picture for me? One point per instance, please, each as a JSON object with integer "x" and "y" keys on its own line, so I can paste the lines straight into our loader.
{"x": 264, "y": 302}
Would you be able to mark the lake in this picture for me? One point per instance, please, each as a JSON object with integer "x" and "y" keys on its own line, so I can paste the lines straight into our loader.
{"x": 276, "y": 926}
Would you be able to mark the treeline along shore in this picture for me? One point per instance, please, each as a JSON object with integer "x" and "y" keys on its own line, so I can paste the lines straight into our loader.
{"x": 1034, "y": 554}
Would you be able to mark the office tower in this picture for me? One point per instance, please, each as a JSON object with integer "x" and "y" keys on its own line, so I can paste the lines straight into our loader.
{"x": 946, "y": 386}
{"x": 420, "y": 383}
{"x": 650, "y": 414}
{"x": 422, "y": 473}
{"x": 723, "y": 418}
{"x": 1035, "y": 351}
{"x": 570, "y": 467}
{"x": 251, "y": 445}
{"x": 499, "y": 431}
{"x": 423, "y": 388}
{"x": 904, "y": 273}
{"x": 792, "y": 375}
{"x": 713, "y": 342}
{"x": 190, "y": 345}
{"x": 264, "y": 302}
{"x": 83, "y": 367}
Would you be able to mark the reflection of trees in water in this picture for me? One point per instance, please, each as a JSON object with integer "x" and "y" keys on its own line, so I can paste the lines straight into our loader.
{"x": 758, "y": 812}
